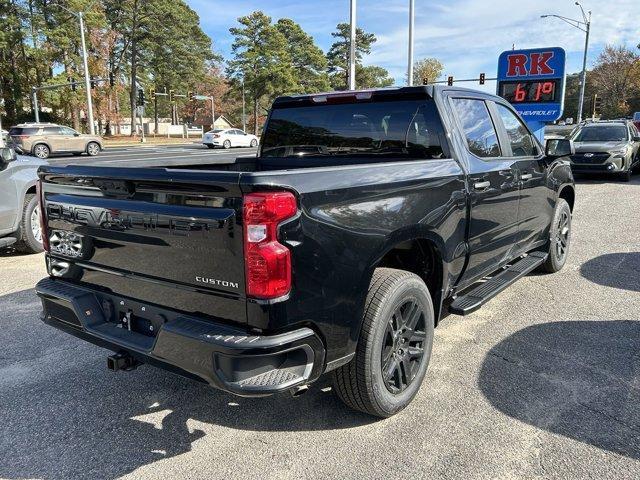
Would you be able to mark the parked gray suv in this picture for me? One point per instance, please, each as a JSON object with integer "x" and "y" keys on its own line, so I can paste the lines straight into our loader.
{"x": 607, "y": 147}
{"x": 19, "y": 213}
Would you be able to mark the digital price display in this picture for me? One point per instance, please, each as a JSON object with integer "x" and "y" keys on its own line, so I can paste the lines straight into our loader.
{"x": 530, "y": 92}
{"x": 533, "y": 81}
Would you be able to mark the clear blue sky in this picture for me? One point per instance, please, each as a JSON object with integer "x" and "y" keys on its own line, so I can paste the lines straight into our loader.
{"x": 466, "y": 35}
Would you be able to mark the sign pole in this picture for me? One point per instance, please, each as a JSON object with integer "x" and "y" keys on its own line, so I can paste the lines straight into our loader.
{"x": 412, "y": 5}
{"x": 352, "y": 48}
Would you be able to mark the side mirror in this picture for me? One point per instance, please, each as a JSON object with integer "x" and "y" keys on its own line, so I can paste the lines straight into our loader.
{"x": 636, "y": 138}
{"x": 76, "y": 134}
{"x": 559, "y": 147}
{"x": 7, "y": 155}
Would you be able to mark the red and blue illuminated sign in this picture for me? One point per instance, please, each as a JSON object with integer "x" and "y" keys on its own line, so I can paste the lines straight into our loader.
{"x": 533, "y": 81}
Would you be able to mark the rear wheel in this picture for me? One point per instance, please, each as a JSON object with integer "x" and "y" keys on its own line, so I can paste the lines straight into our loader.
{"x": 560, "y": 238}
{"x": 41, "y": 151}
{"x": 227, "y": 144}
{"x": 394, "y": 349}
{"x": 93, "y": 149}
{"x": 30, "y": 232}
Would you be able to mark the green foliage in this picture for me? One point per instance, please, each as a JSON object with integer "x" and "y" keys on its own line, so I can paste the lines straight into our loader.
{"x": 261, "y": 61}
{"x": 307, "y": 59}
{"x": 338, "y": 60}
{"x": 429, "y": 69}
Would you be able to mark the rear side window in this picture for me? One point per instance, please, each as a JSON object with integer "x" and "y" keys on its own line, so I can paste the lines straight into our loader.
{"x": 478, "y": 127}
{"x": 397, "y": 129}
{"x": 51, "y": 131}
{"x": 23, "y": 131}
{"x": 522, "y": 144}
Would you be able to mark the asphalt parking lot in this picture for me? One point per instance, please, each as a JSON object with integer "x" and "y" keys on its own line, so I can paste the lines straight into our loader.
{"x": 543, "y": 382}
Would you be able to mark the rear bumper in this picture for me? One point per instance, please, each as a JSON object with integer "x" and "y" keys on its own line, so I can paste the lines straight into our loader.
{"x": 214, "y": 353}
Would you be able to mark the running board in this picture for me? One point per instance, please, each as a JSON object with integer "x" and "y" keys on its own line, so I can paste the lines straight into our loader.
{"x": 476, "y": 298}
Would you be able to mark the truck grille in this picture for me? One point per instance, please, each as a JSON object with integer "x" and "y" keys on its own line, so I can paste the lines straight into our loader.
{"x": 590, "y": 158}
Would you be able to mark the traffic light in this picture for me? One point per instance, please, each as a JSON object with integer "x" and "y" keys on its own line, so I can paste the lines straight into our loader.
{"x": 72, "y": 82}
{"x": 425, "y": 81}
{"x": 189, "y": 95}
{"x": 112, "y": 80}
{"x": 449, "y": 80}
{"x": 93, "y": 84}
{"x": 152, "y": 93}
{"x": 482, "y": 78}
{"x": 597, "y": 103}
{"x": 170, "y": 95}
{"x": 140, "y": 101}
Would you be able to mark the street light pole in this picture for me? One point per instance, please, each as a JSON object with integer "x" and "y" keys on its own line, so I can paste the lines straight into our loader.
{"x": 585, "y": 26}
{"x": 352, "y": 48}
{"x": 87, "y": 80}
{"x": 411, "y": 27}
{"x": 213, "y": 114}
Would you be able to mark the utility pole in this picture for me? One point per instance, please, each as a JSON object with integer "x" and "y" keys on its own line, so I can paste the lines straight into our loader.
{"x": 244, "y": 121}
{"x": 213, "y": 114}
{"x": 34, "y": 93}
{"x": 585, "y": 26}
{"x": 583, "y": 83}
{"x": 412, "y": 5}
{"x": 87, "y": 80}
{"x": 352, "y": 48}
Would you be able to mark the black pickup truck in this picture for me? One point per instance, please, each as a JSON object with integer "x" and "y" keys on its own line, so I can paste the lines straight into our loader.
{"x": 364, "y": 218}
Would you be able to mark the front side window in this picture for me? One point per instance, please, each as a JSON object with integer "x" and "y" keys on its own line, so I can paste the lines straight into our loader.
{"x": 399, "y": 129}
{"x": 522, "y": 144}
{"x": 68, "y": 131}
{"x": 478, "y": 127}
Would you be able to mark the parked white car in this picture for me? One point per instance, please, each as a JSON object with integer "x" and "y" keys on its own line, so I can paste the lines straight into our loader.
{"x": 227, "y": 138}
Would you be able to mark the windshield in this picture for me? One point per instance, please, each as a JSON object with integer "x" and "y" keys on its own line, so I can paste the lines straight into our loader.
{"x": 602, "y": 133}
{"x": 409, "y": 129}
{"x": 636, "y": 117}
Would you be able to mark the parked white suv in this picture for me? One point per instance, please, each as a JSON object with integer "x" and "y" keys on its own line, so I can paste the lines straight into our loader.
{"x": 227, "y": 138}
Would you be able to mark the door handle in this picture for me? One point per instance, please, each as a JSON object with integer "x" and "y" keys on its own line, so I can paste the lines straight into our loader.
{"x": 526, "y": 176}
{"x": 482, "y": 185}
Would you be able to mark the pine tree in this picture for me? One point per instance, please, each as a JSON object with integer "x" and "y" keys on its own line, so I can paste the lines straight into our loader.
{"x": 260, "y": 60}
{"x": 308, "y": 60}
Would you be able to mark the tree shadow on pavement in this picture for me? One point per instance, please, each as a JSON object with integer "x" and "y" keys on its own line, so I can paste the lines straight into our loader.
{"x": 63, "y": 415}
{"x": 579, "y": 379}
{"x": 617, "y": 270}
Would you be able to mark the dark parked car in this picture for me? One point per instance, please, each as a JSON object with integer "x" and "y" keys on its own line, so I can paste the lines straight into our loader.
{"x": 606, "y": 147}
{"x": 364, "y": 218}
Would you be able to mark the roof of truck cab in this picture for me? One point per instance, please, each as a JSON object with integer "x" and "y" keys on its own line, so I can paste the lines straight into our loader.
{"x": 425, "y": 91}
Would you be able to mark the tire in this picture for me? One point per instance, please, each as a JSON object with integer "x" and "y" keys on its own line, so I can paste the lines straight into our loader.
{"x": 93, "y": 149}
{"x": 227, "y": 144}
{"x": 559, "y": 239}
{"x": 210, "y": 146}
{"x": 29, "y": 242}
{"x": 41, "y": 151}
{"x": 361, "y": 384}
{"x": 626, "y": 176}
{"x": 254, "y": 143}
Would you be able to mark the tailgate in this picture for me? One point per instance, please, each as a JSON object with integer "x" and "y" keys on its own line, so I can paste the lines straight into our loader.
{"x": 167, "y": 237}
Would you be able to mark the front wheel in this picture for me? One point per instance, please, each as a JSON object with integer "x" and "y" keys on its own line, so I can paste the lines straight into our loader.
{"x": 560, "y": 238}
{"x": 41, "y": 151}
{"x": 254, "y": 143}
{"x": 30, "y": 232}
{"x": 394, "y": 349}
{"x": 626, "y": 176}
{"x": 227, "y": 144}
{"x": 93, "y": 149}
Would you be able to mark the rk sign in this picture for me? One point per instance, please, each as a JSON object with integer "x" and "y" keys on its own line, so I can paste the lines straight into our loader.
{"x": 533, "y": 81}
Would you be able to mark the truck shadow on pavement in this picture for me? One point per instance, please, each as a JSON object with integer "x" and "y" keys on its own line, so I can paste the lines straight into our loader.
{"x": 64, "y": 415}
{"x": 617, "y": 270}
{"x": 579, "y": 379}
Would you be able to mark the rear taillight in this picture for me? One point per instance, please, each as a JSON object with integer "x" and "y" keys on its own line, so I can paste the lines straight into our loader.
{"x": 267, "y": 262}
{"x": 43, "y": 217}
